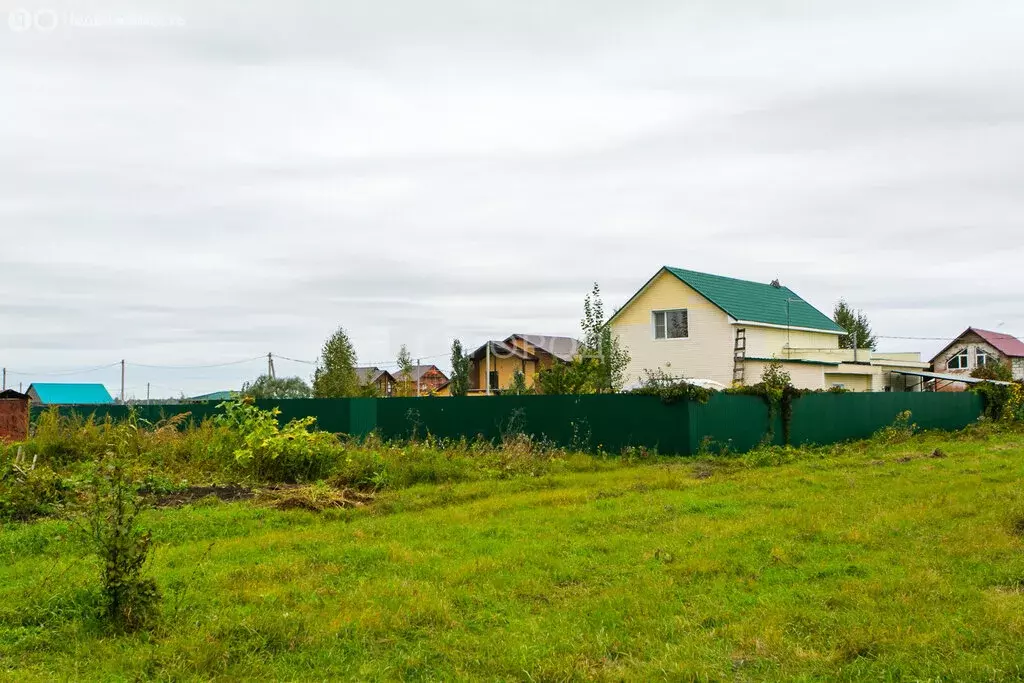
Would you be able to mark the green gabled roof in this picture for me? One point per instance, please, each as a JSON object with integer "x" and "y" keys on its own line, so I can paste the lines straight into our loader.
{"x": 756, "y": 302}
{"x": 215, "y": 396}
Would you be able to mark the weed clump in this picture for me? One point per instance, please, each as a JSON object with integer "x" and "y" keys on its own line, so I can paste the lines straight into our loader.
{"x": 900, "y": 431}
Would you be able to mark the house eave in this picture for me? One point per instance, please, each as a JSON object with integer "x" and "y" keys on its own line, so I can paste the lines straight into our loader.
{"x": 754, "y": 323}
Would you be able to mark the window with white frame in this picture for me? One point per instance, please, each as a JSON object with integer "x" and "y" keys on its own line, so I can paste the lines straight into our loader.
{"x": 958, "y": 361}
{"x": 981, "y": 357}
{"x": 672, "y": 324}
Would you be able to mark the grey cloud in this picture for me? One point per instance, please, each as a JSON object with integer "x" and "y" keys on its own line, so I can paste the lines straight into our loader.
{"x": 421, "y": 171}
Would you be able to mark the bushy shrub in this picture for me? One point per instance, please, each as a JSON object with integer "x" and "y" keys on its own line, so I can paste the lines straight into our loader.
{"x": 269, "y": 452}
{"x": 131, "y": 600}
{"x": 671, "y": 389}
{"x": 1001, "y": 401}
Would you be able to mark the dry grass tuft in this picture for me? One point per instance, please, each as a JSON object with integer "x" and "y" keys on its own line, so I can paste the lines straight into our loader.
{"x": 313, "y": 497}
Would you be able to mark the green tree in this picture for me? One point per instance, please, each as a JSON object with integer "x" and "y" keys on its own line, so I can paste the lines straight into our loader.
{"x": 406, "y": 368}
{"x": 565, "y": 378}
{"x": 335, "y": 375}
{"x": 266, "y": 386}
{"x": 603, "y": 351}
{"x": 517, "y": 385}
{"x": 459, "y": 384}
{"x": 855, "y": 322}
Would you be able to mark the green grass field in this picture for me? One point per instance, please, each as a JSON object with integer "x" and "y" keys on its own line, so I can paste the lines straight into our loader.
{"x": 866, "y": 562}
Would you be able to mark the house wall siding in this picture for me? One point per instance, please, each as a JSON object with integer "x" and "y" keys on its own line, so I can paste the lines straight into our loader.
{"x": 802, "y": 375}
{"x": 850, "y": 382}
{"x": 706, "y": 354}
{"x": 766, "y": 342}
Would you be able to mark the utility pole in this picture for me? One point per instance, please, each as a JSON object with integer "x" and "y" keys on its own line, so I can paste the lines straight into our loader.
{"x": 487, "y": 377}
{"x": 4, "y": 386}
{"x": 270, "y": 365}
{"x": 122, "y": 380}
{"x": 147, "y": 393}
{"x": 855, "y": 346}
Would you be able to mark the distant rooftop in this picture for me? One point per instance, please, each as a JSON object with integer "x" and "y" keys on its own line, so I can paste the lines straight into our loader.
{"x": 69, "y": 394}
{"x": 215, "y": 396}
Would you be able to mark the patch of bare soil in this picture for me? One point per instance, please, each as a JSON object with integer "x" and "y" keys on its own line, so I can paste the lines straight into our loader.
{"x": 229, "y": 493}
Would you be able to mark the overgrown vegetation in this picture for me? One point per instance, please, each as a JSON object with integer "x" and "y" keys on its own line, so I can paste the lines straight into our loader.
{"x": 51, "y": 474}
{"x": 1002, "y": 401}
{"x": 863, "y": 561}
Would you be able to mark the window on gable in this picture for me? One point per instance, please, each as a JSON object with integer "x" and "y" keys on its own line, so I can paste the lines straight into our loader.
{"x": 671, "y": 324}
{"x": 958, "y": 361}
{"x": 981, "y": 357}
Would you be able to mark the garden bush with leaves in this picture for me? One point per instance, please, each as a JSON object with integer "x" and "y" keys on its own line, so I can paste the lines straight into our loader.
{"x": 270, "y": 452}
{"x": 1001, "y": 401}
{"x": 671, "y": 389}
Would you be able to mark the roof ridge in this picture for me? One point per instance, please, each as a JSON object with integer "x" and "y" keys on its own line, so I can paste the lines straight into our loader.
{"x": 728, "y": 277}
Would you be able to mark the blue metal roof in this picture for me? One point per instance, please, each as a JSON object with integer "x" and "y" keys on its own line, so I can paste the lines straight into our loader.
{"x": 70, "y": 394}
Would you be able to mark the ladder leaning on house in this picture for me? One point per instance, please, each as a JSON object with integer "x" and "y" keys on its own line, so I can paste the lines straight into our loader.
{"x": 739, "y": 355}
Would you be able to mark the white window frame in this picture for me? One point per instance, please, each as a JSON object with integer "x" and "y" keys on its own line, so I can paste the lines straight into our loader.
{"x": 963, "y": 364}
{"x": 654, "y": 324}
{"x": 981, "y": 357}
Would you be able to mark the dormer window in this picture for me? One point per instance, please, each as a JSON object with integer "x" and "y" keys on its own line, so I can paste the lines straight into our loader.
{"x": 958, "y": 361}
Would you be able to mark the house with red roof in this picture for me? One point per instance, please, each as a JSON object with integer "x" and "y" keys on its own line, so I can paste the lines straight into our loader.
{"x": 976, "y": 348}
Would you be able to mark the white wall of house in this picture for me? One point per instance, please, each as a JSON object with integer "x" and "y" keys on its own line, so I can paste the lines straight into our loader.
{"x": 707, "y": 351}
{"x": 765, "y": 342}
{"x": 802, "y": 375}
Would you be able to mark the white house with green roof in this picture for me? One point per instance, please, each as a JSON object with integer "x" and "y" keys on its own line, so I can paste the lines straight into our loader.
{"x": 709, "y": 327}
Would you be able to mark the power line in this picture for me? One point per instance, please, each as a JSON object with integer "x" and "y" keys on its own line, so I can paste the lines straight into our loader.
{"x": 198, "y": 367}
{"x": 63, "y": 373}
{"x": 296, "y": 360}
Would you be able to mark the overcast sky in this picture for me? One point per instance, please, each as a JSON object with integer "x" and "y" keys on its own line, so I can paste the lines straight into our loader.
{"x": 184, "y": 184}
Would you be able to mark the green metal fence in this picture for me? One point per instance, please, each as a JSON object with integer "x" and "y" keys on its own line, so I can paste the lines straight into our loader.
{"x": 608, "y": 422}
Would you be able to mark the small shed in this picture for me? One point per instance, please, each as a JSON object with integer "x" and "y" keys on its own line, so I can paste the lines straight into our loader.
{"x": 13, "y": 416}
{"x": 53, "y": 394}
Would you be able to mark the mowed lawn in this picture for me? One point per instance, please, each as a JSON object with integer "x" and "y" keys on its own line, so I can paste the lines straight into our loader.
{"x": 866, "y": 562}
